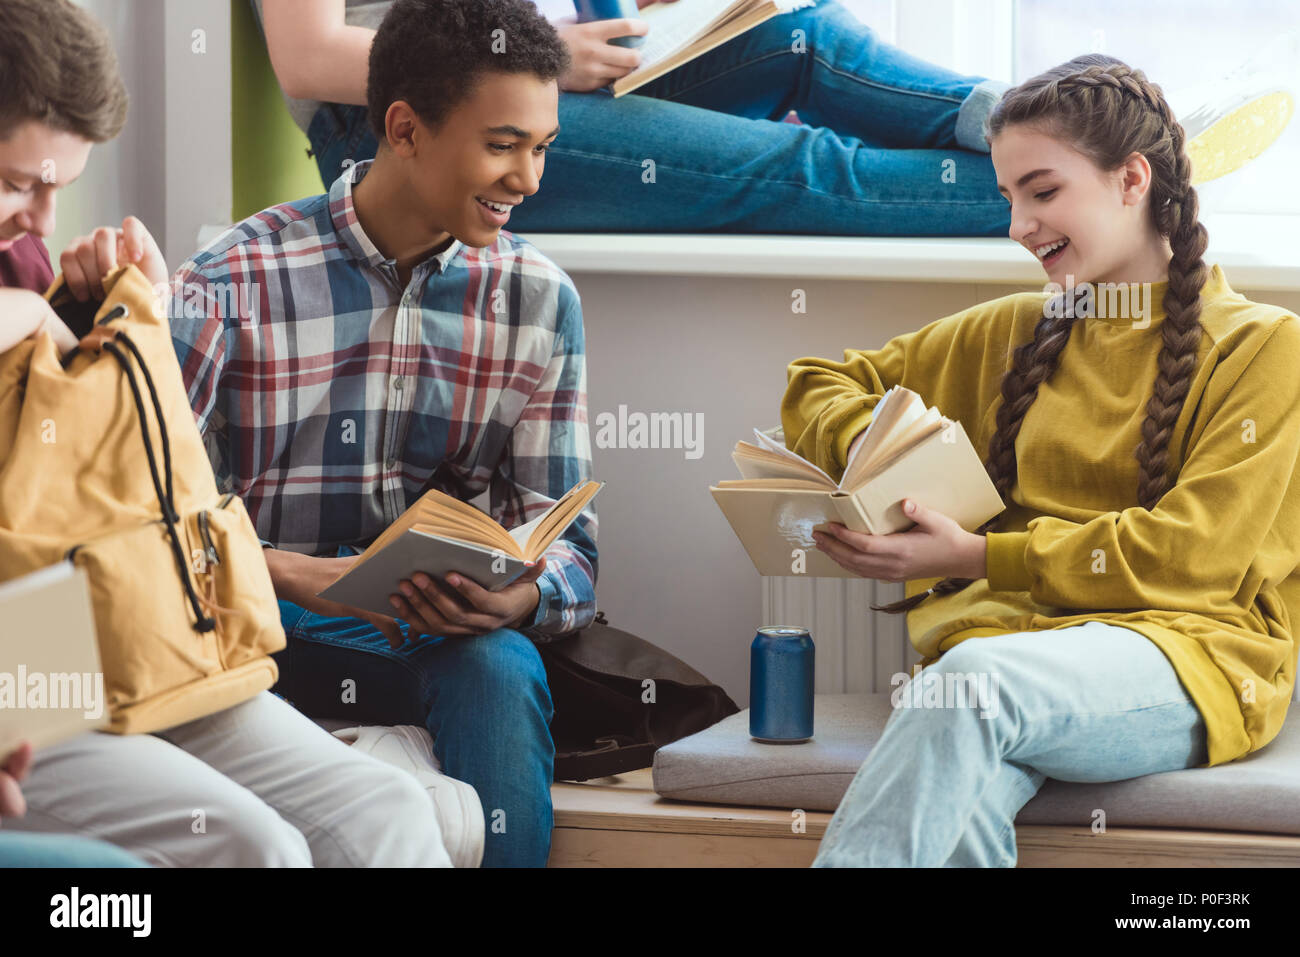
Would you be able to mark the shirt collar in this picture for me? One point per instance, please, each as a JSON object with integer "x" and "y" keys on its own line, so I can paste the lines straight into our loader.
{"x": 344, "y": 215}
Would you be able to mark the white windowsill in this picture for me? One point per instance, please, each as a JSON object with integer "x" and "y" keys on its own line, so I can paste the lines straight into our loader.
{"x": 1256, "y": 252}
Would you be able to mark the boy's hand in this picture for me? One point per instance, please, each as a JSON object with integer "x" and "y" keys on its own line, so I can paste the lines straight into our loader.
{"x": 25, "y": 315}
{"x": 462, "y": 607}
{"x": 88, "y": 259}
{"x": 297, "y": 578}
{"x": 936, "y": 547}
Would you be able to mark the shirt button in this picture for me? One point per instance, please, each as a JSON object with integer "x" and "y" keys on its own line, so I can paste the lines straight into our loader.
{"x": 398, "y": 383}
{"x": 390, "y": 463}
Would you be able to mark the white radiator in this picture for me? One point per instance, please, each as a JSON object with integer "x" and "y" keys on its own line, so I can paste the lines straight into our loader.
{"x": 858, "y": 650}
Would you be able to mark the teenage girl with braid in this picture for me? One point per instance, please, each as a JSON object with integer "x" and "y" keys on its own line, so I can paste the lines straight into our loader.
{"x": 1131, "y": 611}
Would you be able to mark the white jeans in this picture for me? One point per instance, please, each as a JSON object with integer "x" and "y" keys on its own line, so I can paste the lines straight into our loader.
{"x": 256, "y": 785}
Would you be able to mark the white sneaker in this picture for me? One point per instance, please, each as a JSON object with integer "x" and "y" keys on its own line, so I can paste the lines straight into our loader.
{"x": 1231, "y": 119}
{"x": 460, "y": 813}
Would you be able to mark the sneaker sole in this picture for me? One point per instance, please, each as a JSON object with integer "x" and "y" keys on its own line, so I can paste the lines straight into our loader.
{"x": 1236, "y": 139}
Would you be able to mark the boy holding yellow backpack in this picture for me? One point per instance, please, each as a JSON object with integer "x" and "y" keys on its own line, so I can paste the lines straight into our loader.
{"x": 239, "y": 778}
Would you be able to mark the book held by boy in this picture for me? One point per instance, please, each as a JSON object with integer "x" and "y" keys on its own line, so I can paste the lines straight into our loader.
{"x": 685, "y": 29}
{"x": 51, "y": 680}
{"x": 908, "y": 452}
{"x": 439, "y": 534}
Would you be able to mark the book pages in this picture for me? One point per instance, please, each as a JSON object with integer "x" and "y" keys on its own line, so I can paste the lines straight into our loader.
{"x": 675, "y": 25}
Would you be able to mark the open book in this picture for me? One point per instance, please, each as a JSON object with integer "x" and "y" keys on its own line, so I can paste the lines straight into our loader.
{"x": 51, "y": 681}
{"x": 908, "y": 451}
{"x": 440, "y": 534}
{"x": 681, "y": 31}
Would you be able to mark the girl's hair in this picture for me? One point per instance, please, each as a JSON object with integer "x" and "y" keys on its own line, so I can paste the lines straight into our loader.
{"x": 1107, "y": 111}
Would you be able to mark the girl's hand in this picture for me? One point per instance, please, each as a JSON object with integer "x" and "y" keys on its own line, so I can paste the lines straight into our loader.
{"x": 936, "y": 548}
{"x": 594, "y": 61}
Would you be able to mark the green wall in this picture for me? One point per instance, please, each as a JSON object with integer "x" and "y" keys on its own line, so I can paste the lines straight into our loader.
{"x": 269, "y": 158}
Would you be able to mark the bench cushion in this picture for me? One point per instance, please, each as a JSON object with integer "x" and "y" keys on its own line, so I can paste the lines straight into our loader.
{"x": 723, "y": 765}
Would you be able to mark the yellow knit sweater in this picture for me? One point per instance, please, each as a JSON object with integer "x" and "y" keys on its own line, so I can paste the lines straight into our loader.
{"x": 1210, "y": 574}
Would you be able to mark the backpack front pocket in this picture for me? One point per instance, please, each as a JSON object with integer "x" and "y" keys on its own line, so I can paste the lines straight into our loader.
{"x": 234, "y": 583}
{"x": 149, "y": 642}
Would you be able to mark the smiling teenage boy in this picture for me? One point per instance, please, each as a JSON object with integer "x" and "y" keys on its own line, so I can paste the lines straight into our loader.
{"x": 402, "y": 341}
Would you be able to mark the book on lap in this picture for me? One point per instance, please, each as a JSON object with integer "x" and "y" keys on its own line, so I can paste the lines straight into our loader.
{"x": 439, "y": 534}
{"x": 685, "y": 29}
{"x": 909, "y": 452}
{"x": 51, "y": 679}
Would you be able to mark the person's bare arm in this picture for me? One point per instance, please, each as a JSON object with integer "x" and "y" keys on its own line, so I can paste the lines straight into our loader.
{"x": 315, "y": 54}
{"x": 298, "y": 578}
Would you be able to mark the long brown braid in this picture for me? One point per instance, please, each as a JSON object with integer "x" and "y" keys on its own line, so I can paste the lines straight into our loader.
{"x": 1107, "y": 111}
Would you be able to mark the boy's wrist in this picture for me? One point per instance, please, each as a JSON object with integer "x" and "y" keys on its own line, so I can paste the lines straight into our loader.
{"x": 525, "y": 618}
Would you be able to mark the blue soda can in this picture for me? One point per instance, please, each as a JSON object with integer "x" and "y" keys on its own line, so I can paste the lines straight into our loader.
{"x": 589, "y": 10}
{"x": 781, "y": 685}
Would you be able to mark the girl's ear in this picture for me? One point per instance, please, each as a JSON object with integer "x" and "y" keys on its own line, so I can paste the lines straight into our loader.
{"x": 1135, "y": 176}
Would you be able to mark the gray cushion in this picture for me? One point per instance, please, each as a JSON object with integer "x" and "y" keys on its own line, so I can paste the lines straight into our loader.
{"x": 723, "y": 765}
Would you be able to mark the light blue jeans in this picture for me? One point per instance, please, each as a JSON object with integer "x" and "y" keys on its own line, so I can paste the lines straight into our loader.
{"x": 889, "y": 144}
{"x": 943, "y": 785}
{"x": 61, "y": 850}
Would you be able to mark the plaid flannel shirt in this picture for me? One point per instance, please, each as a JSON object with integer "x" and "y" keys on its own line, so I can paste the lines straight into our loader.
{"x": 330, "y": 397}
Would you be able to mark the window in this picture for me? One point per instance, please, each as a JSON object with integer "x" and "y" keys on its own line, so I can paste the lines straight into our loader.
{"x": 1177, "y": 43}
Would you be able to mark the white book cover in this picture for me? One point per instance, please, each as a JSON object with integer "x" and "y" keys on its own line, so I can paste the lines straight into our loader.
{"x": 51, "y": 681}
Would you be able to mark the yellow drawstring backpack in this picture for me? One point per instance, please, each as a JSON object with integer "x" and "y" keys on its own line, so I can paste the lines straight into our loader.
{"x": 101, "y": 462}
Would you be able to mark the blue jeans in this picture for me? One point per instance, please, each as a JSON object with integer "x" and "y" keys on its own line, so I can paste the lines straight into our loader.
{"x": 889, "y": 145}
{"x": 943, "y": 785}
{"x": 484, "y": 700}
{"x": 21, "y": 849}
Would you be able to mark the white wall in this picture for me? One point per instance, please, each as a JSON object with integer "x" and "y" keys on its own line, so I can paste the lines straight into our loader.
{"x": 171, "y": 164}
{"x": 199, "y": 191}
